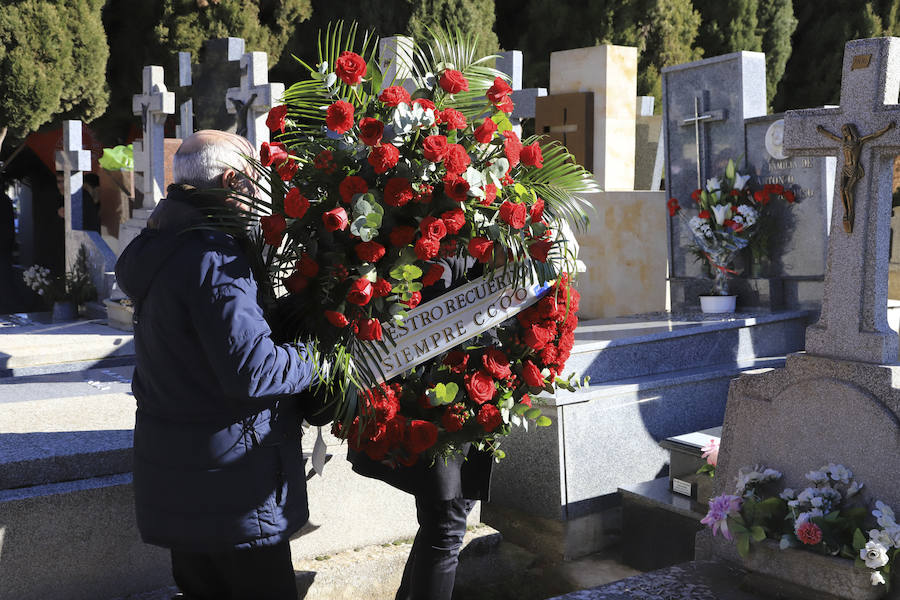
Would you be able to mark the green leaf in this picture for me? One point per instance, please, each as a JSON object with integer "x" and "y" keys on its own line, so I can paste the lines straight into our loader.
{"x": 502, "y": 121}
{"x": 452, "y": 390}
{"x": 415, "y": 286}
{"x": 758, "y": 533}
{"x": 533, "y": 413}
{"x": 743, "y": 544}
{"x": 859, "y": 539}
{"x": 543, "y": 421}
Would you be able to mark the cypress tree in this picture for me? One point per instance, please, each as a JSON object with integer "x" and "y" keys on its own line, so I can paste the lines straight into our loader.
{"x": 776, "y": 24}
{"x": 728, "y": 26}
{"x": 670, "y": 31}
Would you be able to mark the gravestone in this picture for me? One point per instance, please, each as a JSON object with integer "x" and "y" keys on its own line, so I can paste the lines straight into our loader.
{"x": 395, "y": 58}
{"x": 524, "y": 99}
{"x": 252, "y": 100}
{"x": 185, "y": 109}
{"x": 839, "y": 401}
{"x": 704, "y": 128}
{"x": 218, "y": 69}
{"x": 569, "y": 120}
{"x": 648, "y": 147}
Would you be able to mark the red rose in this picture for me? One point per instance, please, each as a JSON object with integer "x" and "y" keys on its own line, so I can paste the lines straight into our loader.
{"x": 296, "y": 283}
{"x": 456, "y": 160}
{"x": 673, "y": 206}
{"x": 695, "y": 195}
{"x": 337, "y": 319}
{"x": 382, "y": 287}
{"x": 490, "y": 194}
{"x": 531, "y": 374}
{"x": 394, "y": 95}
{"x": 703, "y": 214}
{"x": 453, "y": 82}
{"x": 433, "y": 227}
{"x": 481, "y": 249}
{"x": 275, "y": 120}
{"x": 539, "y": 250}
{"x": 425, "y": 103}
{"x": 295, "y": 204}
{"x": 398, "y": 191}
{"x": 456, "y": 188}
{"x": 273, "y": 227}
{"x": 485, "y": 131}
{"x": 360, "y": 292}
{"x": 339, "y": 117}
{"x": 456, "y": 360}
{"x": 307, "y": 266}
{"x": 335, "y": 219}
{"x": 414, "y": 300}
{"x": 496, "y": 363}
{"x": 384, "y": 157}
{"x": 427, "y": 248}
{"x": 514, "y": 214}
{"x": 350, "y": 67}
{"x": 489, "y": 418}
{"x": 480, "y": 386}
{"x": 454, "y": 417}
{"x": 453, "y": 118}
{"x": 512, "y": 147}
{"x": 274, "y": 153}
{"x": 454, "y": 220}
{"x": 352, "y": 185}
{"x": 536, "y": 337}
{"x": 537, "y": 211}
{"x": 434, "y": 147}
{"x": 370, "y": 131}
{"x": 369, "y": 251}
{"x": 421, "y": 436}
{"x": 761, "y": 196}
{"x": 506, "y": 105}
{"x": 402, "y": 235}
{"x": 497, "y": 92}
{"x": 448, "y": 247}
{"x": 433, "y": 274}
{"x": 288, "y": 169}
{"x": 368, "y": 329}
{"x": 789, "y": 196}
{"x": 531, "y": 155}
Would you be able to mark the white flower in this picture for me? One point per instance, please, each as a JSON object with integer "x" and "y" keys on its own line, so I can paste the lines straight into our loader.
{"x": 817, "y": 502}
{"x": 740, "y": 181}
{"x": 874, "y": 554}
{"x": 877, "y": 578}
{"x": 771, "y": 475}
{"x": 854, "y": 488}
{"x": 838, "y": 472}
{"x": 817, "y": 477}
{"x": 713, "y": 184}
{"x": 882, "y": 537}
{"x": 884, "y": 514}
{"x": 787, "y": 494}
{"x": 719, "y": 211}
{"x": 893, "y": 533}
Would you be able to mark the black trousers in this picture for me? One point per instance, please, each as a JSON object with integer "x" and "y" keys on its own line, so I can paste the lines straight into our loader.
{"x": 264, "y": 573}
{"x": 431, "y": 567}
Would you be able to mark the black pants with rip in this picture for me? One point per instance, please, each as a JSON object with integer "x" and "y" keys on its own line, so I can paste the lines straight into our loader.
{"x": 264, "y": 573}
{"x": 431, "y": 567}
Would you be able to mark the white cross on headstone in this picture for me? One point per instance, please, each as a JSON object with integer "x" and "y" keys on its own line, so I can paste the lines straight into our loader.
{"x": 72, "y": 160}
{"x": 525, "y": 100}
{"x": 853, "y": 323}
{"x": 186, "y": 108}
{"x": 154, "y": 105}
{"x": 395, "y": 59}
{"x": 254, "y": 98}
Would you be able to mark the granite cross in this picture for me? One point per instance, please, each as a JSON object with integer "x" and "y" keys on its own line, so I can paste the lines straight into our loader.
{"x": 154, "y": 105}
{"x": 525, "y": 100}
{"x": 72, "y": 160}
{"x": 253, "y": 99}
{"x": 206, "y": 82}
{"x": 698, "y": 121}
{"x": 186, "y": 108}
{"x": 853, "y": 323}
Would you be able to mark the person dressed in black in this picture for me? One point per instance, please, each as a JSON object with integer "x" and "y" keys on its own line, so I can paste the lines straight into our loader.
{"x": 9, "y": 299}
{"x": 445, "y": 491}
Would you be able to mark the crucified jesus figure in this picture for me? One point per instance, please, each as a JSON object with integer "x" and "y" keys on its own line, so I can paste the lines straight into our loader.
{"x": 851, "y": 145}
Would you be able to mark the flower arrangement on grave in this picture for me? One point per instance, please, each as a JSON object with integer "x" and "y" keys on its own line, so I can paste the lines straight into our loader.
{"x": 73, "y": 286}
{"x": 828, "y": 517}
{"x": 730, "y": 216}
{"x": 710, "y": 451}
{"x": 373, "y": 193}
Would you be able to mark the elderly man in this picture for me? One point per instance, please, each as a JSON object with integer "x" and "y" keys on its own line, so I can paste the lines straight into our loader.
{"x": 218, "y": 472}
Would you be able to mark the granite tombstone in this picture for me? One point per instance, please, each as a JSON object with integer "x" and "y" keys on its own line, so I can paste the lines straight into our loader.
{"x": 219, "y": 69}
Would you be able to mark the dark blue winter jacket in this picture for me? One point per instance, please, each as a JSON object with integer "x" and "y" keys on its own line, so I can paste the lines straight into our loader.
{"x": 217, "y": 457}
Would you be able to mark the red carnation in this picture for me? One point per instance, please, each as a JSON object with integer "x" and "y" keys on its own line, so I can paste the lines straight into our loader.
{"x": 337, "y": 319}
{"x": 274, "y": 153}
{"x": 367, "y": 329}
{"x": 433, "y": 227}
{"x": 453, "y": 82}
{"x": 307, "y": 266}
{"x": 402, "y": 235}
{"x": 335, "y": 219}
{"x": 761, "y": 196}
{"x": 454, "y": 417}
{"x": 489, "y": 418}
{"x": 273, "y": 227}
{"x": 414, "y": 299}
{"x": 809, "y": 533}
{"x": 531, "y": 374}
{"x": 398, "y": 191}
{"x": 456, "y": 160}
{"x": 695, "y": 195}
{"x": 481, "y": 249}
{"x": 369, "y": 251}
{"x": 497, "y": 92}
{"x": 360, "y": 292}
{"x": 525, "y": 399}
{"x": 789, "y": 196}
{"x": 514, "y": 214}
{"x": 394, "y": 95}
{"x": 673, "y": 206}
{"x": 288, "y": 169}
{"x": 537, "y": 211}
{"x": 421, "y": 436}
{"x": 456, "y": 188}
{"x": 485, "y": 131}
{"x": 490, "y": 194}
{"x": 339, "y": 117}
{"x": 425, "y": 103}
{"x": 512, "y": 147}
{"x": 539, "y": 250}
{"x": 384, "y": 157}
{"x": 703, "y": 214}
{"x": 295, "y": 283}
{"x": 352, "y": 185}
{"x": 456, "y": 360}
{"x": 480, "y": 386}
{"x": 531, "y": 155}
{"x": 536, "y": 337}
{"x": 496, "y": 363}
{"x": 427, "y": 248}
{"x": 434, "y": 147}
{"x": 275, "y": 120}
{"x": 506, "y": 105}
{"x": 382, "y": 287}
{"x": 433, "y": 274}
{"x": 454, "y": 219}
{"x": 370, "y": 131}
{"x": 453, "y": 118}
{"x": 350, "y": 68}
{"x": 295, "y": 204}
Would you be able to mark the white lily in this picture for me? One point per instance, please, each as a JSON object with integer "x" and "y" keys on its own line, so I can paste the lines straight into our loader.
{"x": 719, "y": 211}
{"x": 740, "y": 181}
{"x": 713, "y": 184}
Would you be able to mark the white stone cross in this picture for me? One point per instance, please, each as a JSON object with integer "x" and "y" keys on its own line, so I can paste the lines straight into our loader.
{"x": 254, "y": 98}
{"x": 395, "y": 59}
{"x": 186, "y": 108}
{"x": 853, "y": 323}
{"x": 154, "y": 105}
{"x": 72, "y": 160}
{"x": 525, "y": 100}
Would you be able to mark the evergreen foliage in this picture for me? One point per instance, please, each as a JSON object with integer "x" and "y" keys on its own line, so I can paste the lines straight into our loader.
{"x": 52, "y": 63}
{"x": 777, "y": 24}
{"x": 669, "y": 34}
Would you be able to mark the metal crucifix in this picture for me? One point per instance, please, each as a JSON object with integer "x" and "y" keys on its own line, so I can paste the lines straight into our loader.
{"x": 698, "y": 119}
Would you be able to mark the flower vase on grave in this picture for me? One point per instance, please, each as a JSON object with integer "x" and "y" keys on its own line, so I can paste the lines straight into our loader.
{"x": 719, "y": 301}
{"x": 64, "y": 310}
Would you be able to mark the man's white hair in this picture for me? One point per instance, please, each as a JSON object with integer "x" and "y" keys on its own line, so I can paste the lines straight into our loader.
{"x": 203, "y": 168}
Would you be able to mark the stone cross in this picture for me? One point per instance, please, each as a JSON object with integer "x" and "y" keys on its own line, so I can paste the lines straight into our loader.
{"x": 853, "y": 323}
{"x": 253, "y": 99}
{"x": 395, "y": 59}
{"x": 154, "y": 105}
{"x": 72, "y": 160}
{"x": 525, "y": 100}
{"x": 206, "y": 82}
{"x": 698, "y": 121}
{"x": 186, "y": 108}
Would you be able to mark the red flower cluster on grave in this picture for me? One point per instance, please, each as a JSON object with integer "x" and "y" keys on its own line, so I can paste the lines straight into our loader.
{"x": 809, "y": 533}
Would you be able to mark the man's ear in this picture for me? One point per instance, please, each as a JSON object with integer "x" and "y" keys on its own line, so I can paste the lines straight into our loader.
{"x": 229, "y": 178}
